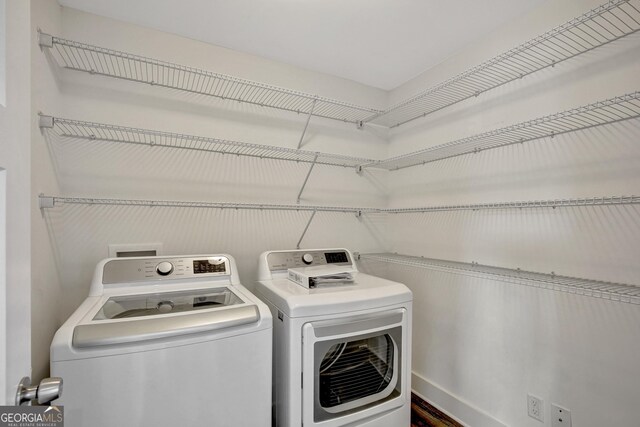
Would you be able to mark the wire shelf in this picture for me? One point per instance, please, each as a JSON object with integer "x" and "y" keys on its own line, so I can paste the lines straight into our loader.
{"x": 557, "y": 203}
{"x": 121, "y": 65}
{"x": 606, "y": 112}
{"x": 604, "y": 24}
{"x": 129, "y": 135}
{"x": 46, "y": 202}
{"x": 593, "y": 288}
{"x": 53, "y": 201}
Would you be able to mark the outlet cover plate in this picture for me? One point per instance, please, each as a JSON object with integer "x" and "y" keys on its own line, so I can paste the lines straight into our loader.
{"x": 560, "y": 417}
{"x": 535, "y": 407}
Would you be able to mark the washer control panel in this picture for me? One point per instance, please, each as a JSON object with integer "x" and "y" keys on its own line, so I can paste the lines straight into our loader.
{"x": 127, "y": 270}
{"x": 304, "y": 258}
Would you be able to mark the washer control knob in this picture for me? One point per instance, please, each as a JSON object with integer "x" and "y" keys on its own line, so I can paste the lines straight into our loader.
{"x": 307, "y": 258}
{"x": 164, "y": 268}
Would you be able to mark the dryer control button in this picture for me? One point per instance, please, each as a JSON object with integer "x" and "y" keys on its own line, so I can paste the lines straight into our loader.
{"x": 164, "y": 268}
{"x": 307, "y": 258}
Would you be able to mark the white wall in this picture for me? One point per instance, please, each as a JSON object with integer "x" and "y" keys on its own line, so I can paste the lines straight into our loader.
{"x": 45, "y": 274}
{"x": 15, "y": 159}
{"x": 489, "y": 343}
{"x": 72, "y": 239}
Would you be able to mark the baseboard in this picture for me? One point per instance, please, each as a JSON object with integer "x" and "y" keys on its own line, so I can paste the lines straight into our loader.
{"x": 453, "y": 406}
{"x": 424, "y": 414}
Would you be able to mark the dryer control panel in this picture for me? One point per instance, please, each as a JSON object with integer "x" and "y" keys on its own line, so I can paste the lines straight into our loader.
{"x": 306, "y": 258}
{"x": 127, "y": 270}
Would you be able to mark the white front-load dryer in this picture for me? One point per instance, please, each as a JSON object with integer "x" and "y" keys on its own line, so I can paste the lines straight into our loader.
{"x": 165, "y": 342}
{"x": 342, "y": 350}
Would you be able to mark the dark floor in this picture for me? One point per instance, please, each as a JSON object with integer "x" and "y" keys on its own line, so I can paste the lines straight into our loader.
{"x": 425, "y": 415}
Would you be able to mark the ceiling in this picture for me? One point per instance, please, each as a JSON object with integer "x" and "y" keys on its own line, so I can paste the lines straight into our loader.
{"x": 380, "y": 43}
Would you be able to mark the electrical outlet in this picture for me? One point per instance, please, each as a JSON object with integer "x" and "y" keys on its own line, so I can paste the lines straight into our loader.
{"x": 560, "y": 417}
{"x": 535, "y": 407}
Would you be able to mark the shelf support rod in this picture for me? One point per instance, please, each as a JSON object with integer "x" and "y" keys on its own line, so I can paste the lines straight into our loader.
{"x": 306, "y": 125}
{"x": 305, "y": 229}
{"x": 304, "y": 184}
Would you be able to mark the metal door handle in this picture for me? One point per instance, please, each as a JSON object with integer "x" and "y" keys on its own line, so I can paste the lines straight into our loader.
{"x": 48, "y": 390}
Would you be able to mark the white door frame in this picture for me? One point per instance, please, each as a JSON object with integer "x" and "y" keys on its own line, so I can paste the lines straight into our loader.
{"x": 3, "y": 285}
{"x": 16, "y": 121}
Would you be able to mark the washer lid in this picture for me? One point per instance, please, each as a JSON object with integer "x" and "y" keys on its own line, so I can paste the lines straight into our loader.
{"x": 133, "y": 318}
{"x": 365, "y": 293}
{"x": 130, "y": 306}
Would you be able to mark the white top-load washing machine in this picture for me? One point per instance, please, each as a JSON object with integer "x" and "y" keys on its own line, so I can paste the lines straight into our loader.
{"x": 342, "y": 341}
{"x": 166, "y": 341}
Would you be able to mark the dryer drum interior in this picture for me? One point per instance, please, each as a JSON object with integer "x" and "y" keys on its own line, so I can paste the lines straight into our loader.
{"x": 356, "y": 372}
{"x": 356, "y": 369}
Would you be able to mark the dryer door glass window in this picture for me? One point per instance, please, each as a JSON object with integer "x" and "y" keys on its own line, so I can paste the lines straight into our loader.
{"x": 353, "y": 370}
{"x": 353, "y": 366}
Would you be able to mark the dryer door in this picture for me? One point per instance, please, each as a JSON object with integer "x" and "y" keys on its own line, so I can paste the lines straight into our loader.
{"x": 352, "y": 367}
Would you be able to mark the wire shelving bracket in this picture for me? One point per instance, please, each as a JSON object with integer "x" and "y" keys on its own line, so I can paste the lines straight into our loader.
{"x": 604, "y": 24}
{"x": 306, "y": 125}
{"x": 593, "y": 288}
{"x": 304, "y": 184}
{"x": 601, "y": 113}
{"x": 313, "y": 214}
{"x": 127, "y": 66}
